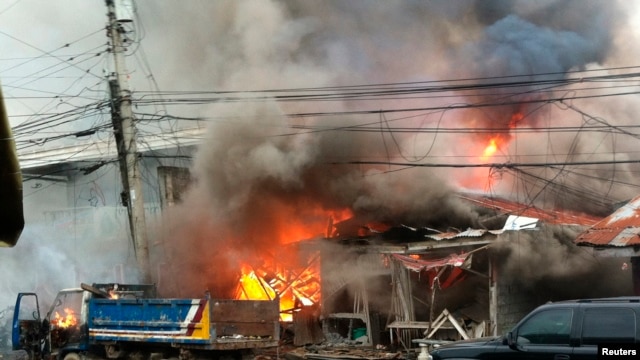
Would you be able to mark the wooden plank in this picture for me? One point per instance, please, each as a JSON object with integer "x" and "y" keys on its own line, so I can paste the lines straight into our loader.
{"x": 307, "y": 328}
{"x": 352, "y": 354}
{"x": 458, "y": 327}
{"x": 409, "y": 325}
{"x": 95, "y": 291}
{"x": 347, "y": 316}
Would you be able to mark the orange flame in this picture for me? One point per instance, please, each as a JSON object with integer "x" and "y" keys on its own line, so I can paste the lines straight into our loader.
{"x": 491, "y": 148}
{"x": 288, "y": 276}
{"x": 498, "y": 140}
{"x": 64, "y": 321}
{"x": 516, "y": 118}
{"x": 294, "y": 287}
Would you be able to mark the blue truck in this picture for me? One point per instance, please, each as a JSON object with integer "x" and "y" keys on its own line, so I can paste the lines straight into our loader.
{"x": 118, "y": 321}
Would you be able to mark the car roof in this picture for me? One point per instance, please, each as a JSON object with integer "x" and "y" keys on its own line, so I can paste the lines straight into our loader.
{"x": 610, "y": 300}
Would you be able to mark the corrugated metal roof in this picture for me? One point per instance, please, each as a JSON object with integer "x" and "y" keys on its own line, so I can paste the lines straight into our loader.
{"x": 472, "y": 233}
{"x": 508, "y": 207}
{"x": 423, "y": 238}
{"x": 620, "y": 229}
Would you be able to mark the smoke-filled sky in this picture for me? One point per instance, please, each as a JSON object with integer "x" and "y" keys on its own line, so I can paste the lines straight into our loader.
{"x": 272, "y": 162}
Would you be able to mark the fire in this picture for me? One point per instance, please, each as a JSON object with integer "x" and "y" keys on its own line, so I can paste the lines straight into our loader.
{"x": 283, "y": 271}
{"x": 251, "y": 286}
{"x": 64, "y": 321}
{"x": 491, "y": 148}
{"x": 516, "y": 118}
{"x": 498, "y": 140}
{"x": 288, "y": 225}
{"x": 496, "y": 143}
{"x": 294, "y": 289}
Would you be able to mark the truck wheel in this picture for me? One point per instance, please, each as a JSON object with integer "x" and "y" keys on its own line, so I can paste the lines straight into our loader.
{"x": 114, "y": 352}
{"x": 72, "y": 356}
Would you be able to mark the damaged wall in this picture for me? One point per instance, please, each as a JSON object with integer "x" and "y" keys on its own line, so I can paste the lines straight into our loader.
{"x": 541, "y": 265}
{"x": 513, "y": 303}
{"x": 529, "y": 267}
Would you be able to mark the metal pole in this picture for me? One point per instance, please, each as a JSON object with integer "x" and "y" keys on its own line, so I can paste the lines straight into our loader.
{"x": 133, "y": 186}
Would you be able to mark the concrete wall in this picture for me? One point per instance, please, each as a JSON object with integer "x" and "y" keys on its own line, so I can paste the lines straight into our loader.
{"x": 513, "y": 303}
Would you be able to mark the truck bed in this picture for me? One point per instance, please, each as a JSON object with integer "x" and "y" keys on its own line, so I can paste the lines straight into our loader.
{"x": 190, "y": 323}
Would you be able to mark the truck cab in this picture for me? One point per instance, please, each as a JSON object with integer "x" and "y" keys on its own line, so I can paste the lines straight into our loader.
{"x": 63, "y": 329}
{"x": 67, "y": 323}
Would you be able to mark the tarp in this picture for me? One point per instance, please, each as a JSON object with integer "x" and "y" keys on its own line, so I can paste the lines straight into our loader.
{"x": 433, "y": 268}
{"x": 428, "y": 264}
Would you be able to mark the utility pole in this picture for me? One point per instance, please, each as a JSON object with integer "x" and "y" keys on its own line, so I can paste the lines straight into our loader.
{"x": 125, "y": 134}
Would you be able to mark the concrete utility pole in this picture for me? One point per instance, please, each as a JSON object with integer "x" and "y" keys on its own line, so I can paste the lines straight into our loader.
{"x": 125, "y": 134}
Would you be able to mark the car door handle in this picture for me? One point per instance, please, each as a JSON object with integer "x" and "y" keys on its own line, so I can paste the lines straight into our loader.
{"x": 561, "y": 357}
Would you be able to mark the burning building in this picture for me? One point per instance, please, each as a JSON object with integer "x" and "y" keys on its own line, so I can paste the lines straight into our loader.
{"x": 346, "y": 197}
{"x": 404, "y": 283}
{"x": 391, "y": 283}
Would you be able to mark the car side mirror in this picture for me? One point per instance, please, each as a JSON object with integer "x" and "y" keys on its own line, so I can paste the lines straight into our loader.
{"x": 511, "y": 341}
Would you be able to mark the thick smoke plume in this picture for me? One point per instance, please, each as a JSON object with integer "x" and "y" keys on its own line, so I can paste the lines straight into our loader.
{"x": 258, "y": 180}
{"x": 547, "y": 263}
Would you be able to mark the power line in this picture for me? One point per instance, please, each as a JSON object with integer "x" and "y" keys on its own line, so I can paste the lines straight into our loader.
{"x": 44, "y": 52}
{"x": 506, "y": 165}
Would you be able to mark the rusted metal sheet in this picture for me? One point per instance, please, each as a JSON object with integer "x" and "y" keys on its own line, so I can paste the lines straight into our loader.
{"x": 620, "y": 229}
{"x": 245, "y": 317}
{"x": 559, "y": 217}
{"x": 251, "y": 328}
{"x": 244, "y": 311}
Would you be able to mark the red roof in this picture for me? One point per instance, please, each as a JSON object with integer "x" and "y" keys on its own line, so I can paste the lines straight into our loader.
{"x": 559, "y": 217}
{"x": 620, "y": 229}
